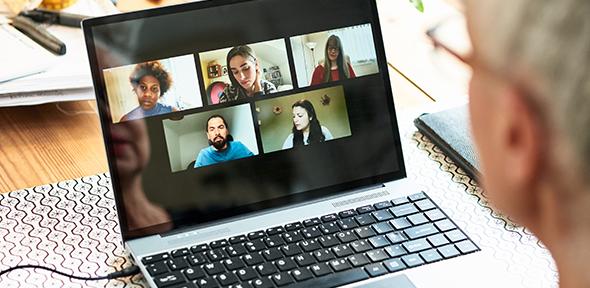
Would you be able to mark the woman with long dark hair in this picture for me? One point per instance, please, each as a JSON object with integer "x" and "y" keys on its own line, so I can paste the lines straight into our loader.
{"x": 306, "y": 126}
{"x": 245, "y": 76}
{"x": 335, "y": 66}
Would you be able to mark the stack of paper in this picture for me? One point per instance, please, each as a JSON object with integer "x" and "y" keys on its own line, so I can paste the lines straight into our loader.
{"x": 61, "y": 78}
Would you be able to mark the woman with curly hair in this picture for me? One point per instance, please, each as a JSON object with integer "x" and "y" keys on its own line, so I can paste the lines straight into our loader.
{"x": 149, "y": 81}
{"x": 306, "y": 127}
{"x": 245, "y": 76}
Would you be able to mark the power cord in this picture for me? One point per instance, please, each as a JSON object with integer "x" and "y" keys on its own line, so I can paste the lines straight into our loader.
{"x": 129, "y": 271}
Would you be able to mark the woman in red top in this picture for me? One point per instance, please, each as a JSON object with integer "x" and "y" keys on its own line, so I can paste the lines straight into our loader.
{"x": 334, "y": 60}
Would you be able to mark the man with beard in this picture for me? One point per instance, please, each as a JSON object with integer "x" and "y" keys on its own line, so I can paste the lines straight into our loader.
{"x": 222, "y": 146}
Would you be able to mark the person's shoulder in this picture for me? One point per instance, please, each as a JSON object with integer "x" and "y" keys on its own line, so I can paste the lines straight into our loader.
{"x": 165, "y": 108}
{"x": 134, "y": 114}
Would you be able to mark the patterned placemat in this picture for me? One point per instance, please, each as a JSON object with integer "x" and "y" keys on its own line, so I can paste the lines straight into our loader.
{"x": 72, "y": 225}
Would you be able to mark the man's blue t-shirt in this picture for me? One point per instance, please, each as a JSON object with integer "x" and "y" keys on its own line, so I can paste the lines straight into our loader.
{"x": 235, "y": 150}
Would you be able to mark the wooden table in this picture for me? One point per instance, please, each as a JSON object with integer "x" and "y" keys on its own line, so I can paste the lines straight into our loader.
{"x": 59, "y": 141}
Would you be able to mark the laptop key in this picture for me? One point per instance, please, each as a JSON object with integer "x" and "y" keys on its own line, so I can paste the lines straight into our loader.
{"x": 396, "y": 237}
{"x": 169, "y": 279}
{"x": 266, "y": 269}
{"x": 400, "y": 223}
{"x": 403, "y": 210}
{"x": 421, "y": 231}
{"x": 417, "y": 196}
{"x": 301, "y": 274}
{"x": 309, "y": 245}
{"x": 329, "y": 228}
{"x": 199, "y": 248}
{"x": 412, "y": 260}
{"x": 312, "y": 222}
{"x": 416, "y": 245}
{"x": 176, "y": 264}
{"x": 262, "y": 283}
{"x": 285, "y": 264}
{"x": 155, "y": 258}
{"x": 394, "y": 265}
{"x": 323, "y": 255}
{"x": 218, "y": 243}
{"x": 342, "y": 250}
{"x": 437, "y": 240}
{"x": 310, "y": 232}
{"x": 377, "y": 255}
{"x": 379, "y": 241}
{"x": 256, "y": 235}
{"x": 445, "y": 225}
{"x": 365, "y": 209}
{"x": 395, "y": 250}
{"x": 375, "y": 269}
{"x": 360, "y": 246}
{"x": 216, "y": 255}
{"x": 328, "y": 241}
{"x": 227, "y": 278}
{"x": 334, "y": 279}
{"x": 292, "y": 237}
{"x": 236, "y": 250}
{"x": 418, "y": 219}
{"x": 196, "y": 259}
{"x": 238, "y": 239}
{"x": 304, "y": 259}
{"x": 435, "y": 215}
{"x": 347, "y": 224}
{"x": 290, "y": 250}
{"x": 346, "y": 236}
{"x": 455, "y": 235}
{"x": 347, "y": 213}
{"x": 282, "y": 279}
{"x": 274, "y": 241}
{"x": 180, "y": 252}
{"x": 400, "y": 201}
{"x": 157, "y": 268}
{"x": 194, "y": 273}
{"x": 329, "y": 218}
{"x": 365, "y": 232}
{"x": 207, "y": 282}
{"x": 255, "y": 245}
{"x": 233, "y": 263}
{"x": 246, "y": 274}
{"x": 364, "y": 219}
{"x": 382, "y": 215}
{"x": 382, "y": 205}
{"x": 358, "y": 260}
{"x": 320, "y": 269}
{"x": 466, "y": 246}
{"x": 448, "y": 251}
{"x": 272, "y": 254}
{"x": 339, "y": 265}
{"x": 430, "y": 255}
{"x": 214, "y": 268}
{"x": 425, "y": 205}
{"x": 275, "y": 230}
{"x": 293, "y": 226}
{"x": 382, "y": 228}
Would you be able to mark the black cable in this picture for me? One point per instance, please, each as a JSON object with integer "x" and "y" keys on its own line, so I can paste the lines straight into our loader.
{"x": 129, "y": 271}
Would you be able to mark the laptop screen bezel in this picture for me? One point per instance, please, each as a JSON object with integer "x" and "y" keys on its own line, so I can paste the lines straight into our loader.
{"x": 105, "y": 119}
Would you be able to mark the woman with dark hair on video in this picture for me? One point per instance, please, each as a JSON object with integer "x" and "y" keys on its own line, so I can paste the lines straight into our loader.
{"x": 245, "y": 76}
{"x": 149, "y": 81}
{"x": 335, "y": 66}
{"x": 306, "y": 127}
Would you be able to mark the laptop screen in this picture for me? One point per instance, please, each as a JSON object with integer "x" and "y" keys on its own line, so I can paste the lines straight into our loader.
{"x": 215, "y": 109}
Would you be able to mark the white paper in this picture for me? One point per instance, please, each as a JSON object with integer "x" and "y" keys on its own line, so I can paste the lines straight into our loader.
{"x": 41, "y": 97}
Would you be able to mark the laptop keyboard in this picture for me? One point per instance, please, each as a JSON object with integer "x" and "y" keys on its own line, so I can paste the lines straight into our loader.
{"x": 327, "y": 251}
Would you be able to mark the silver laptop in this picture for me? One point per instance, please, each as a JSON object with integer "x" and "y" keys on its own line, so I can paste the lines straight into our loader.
{"x": 255, "y": 144}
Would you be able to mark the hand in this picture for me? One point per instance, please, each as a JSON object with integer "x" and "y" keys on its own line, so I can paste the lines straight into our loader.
{"x": 257, "y": 83}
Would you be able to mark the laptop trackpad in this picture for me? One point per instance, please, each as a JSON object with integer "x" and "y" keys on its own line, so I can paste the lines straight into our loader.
{"x": 399, "y": 281}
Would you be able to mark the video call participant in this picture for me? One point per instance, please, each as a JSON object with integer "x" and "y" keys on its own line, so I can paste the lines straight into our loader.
{"x": 222, "y": 146}
{"x": 149, "y": 81}
{"x": 245, "y": 76}
{"x": 337, "y": 69}
{"x": 306, "y": 126}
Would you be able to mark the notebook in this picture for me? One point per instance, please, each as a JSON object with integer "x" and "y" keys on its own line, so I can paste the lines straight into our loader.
{"x": 290, "y": 174}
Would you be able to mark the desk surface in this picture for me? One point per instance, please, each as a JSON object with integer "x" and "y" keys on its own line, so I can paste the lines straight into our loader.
{"x": 59, "y": 141}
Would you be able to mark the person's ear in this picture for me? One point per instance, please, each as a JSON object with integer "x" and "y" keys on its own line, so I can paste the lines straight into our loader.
{"x": 522, "y": 136}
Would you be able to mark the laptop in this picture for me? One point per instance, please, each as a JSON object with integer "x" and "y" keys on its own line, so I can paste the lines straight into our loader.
{"x": 255, "y": 144}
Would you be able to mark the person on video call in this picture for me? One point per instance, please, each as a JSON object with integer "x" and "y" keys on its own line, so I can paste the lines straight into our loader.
{"x": 335, "y": 66}
{"x": 222, "y": 146}
{"x": 149, "y": 81}
{"x": 245, "y": 76}
{"x": 306, "y": 126}
{"x": 530, "y": 115}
